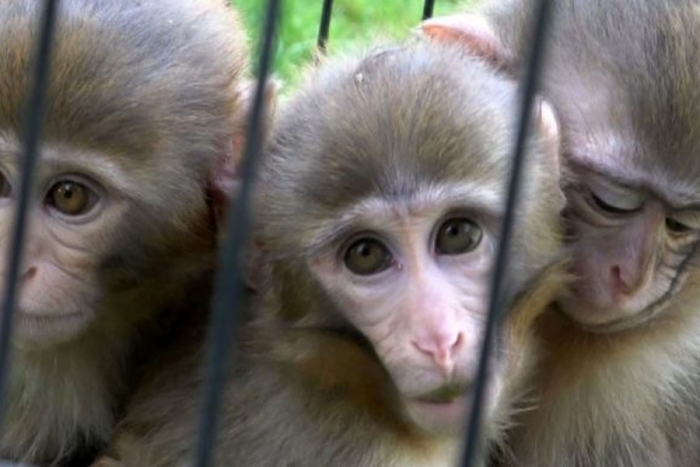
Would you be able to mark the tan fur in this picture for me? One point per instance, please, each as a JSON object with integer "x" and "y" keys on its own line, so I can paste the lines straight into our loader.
{"x": 143, "y": 97}
{"x": 623, "y": 76}
{"x": 306, "y": 387}
{"x": 613, "y": 400}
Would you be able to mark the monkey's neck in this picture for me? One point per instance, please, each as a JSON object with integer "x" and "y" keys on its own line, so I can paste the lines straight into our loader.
{"x": 62, "y": 399}
{"x": 628, "y": 396}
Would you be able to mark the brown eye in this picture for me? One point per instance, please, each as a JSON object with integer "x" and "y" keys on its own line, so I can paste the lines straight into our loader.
{"x": 676, "y": 227}
{"x": 457, "y": 236}
{"x": 367, "y": 256}
{"x": 5, "y": 188}
{"x": 70, "y": 198}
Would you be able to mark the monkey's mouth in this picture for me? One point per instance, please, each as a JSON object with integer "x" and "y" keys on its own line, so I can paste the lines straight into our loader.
{"x": 444, "y": 394}
{"x": 441, "y": 411}
{"x": 50, "y": 327}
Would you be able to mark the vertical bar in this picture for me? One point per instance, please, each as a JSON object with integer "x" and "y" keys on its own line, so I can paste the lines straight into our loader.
{"x": 227, "y": 301}
{"x": 428, "y": 8}
{"x": 325, "y": 25}
{"x": 34, "y": 121}
{"x": 528, "y": 89}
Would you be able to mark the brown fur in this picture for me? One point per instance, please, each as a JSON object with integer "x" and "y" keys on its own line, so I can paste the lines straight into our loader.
{"x": 624, "y": 78}
{"x": 307, "y": 388}
{"x": 153, "y": 84}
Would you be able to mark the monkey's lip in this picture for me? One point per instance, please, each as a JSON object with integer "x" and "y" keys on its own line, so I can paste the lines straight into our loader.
{"x": 444, "y": 394}
{"x": 50, "y": 326}
{"x": 49, "y": 316}
{"x": 445, "y": 415}
{"x": 443, "y": 409}
{"x": 609, "y": 320}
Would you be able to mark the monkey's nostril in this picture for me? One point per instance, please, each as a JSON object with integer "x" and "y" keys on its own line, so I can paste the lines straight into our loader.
{"x": 441, "y": 353}
{"x": 625, "y": 285}
{"x": 29, "y": 273}
{"x": 459, "y": 340}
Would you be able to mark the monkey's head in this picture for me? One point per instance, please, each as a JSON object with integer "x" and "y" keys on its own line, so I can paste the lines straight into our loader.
{"x": 379, "y": 211}
{"x": 137, "y": 149}
{"x": 625, "y": 80}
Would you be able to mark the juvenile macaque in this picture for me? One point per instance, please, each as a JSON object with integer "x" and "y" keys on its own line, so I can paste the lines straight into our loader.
{"x": 377, "y": 220}
{"x": 619, "y": 386}
{"x": 142, "y": 114}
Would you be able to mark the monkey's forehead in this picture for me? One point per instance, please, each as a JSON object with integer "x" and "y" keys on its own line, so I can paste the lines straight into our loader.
{"x": 631, "y": 69}
{"x": 420, "y": 111}
{"x": 125, "y": 74}
{"x": 391, "y": 124}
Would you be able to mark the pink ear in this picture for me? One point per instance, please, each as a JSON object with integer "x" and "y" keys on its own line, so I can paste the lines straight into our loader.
{"x": 471, "y": 31}
{"x": 246, "y": 92}
{"x": 546, "y": 121}
{"x": 223, "y": 186}
{"x": 225, "y": 178}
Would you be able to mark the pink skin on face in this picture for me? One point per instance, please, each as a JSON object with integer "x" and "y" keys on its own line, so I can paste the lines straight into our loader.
{"x": 629, "y": 252}
{"x": 424, "y": 313}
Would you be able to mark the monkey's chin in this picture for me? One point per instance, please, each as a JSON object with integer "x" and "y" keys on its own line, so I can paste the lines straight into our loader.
{"x": 440, "y": 418}
{"x": 49, "y": 328}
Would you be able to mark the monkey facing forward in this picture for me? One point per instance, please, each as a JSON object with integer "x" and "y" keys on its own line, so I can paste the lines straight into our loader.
{"x": 144, "y": 112}
{"x": 376, "y": 222}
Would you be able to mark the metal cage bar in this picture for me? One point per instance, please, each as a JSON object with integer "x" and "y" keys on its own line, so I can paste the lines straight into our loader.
{"x": 528, "y": 90}
{"x": 228, "y": 296}
{"x": 325, "y": 25}
{"x": 428, "y": 8}
{"x": 34, "y": 123}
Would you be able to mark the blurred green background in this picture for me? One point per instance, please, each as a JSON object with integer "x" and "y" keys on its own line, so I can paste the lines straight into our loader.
{"x": 355, "y": 23}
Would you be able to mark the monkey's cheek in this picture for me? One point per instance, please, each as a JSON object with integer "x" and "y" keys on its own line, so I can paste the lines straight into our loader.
{"x": 440, "y": 418}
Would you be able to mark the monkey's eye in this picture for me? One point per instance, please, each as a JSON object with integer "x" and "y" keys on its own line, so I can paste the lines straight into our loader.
{"x": 611, "y": 202}
{"x": 367, "y": 256}
{"x": 677, "y": 227}
{"x": 70, "y": 198}
{"x": 603, "y": 206}
{"x": 5, "y": 188}
{"x": 457, "y": 236}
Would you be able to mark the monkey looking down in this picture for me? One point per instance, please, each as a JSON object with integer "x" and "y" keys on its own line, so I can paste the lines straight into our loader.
{"x": 619, "y": 382}
{"x": 143, "y": 113}
{"x": 377, "y": 217}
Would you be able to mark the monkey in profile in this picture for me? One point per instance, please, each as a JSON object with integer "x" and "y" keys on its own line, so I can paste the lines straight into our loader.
{"x": 377, "y": 217}
{"x": 142, "y": 122}
{"x": 618, "y": 386}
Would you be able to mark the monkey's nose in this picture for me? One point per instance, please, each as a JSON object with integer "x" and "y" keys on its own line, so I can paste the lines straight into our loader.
{"x": 625, "y": 283}
{"x": 442, "y": 350}
{"x": 29, "y": 274}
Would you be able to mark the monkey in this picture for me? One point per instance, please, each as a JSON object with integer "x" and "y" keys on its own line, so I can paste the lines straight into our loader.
{"x": 375, "y": 221}
{"x": 617, "y": 386}
{"x": 142, "y": 128}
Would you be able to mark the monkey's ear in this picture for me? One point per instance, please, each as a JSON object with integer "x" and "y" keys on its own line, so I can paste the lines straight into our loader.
{"x": 246, "y": 96}
{"x": 548, "y": 126}
{"x": 473, "y": 32}
{"x": 225, "y": 179}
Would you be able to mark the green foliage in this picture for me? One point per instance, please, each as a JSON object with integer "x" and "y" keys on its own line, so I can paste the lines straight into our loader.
{"x": 355, "y": 23}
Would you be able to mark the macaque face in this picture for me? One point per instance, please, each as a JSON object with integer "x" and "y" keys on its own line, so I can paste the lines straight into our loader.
{"x": 135, "y": 161}
{"x": 413, "y": 278}
{"x": 385, "y": 183}
{"x": 633, "y": 212}
{"x": 78, "y": 205}
{"x": 85, "y": 205}
{"x": 631, "y": 249}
